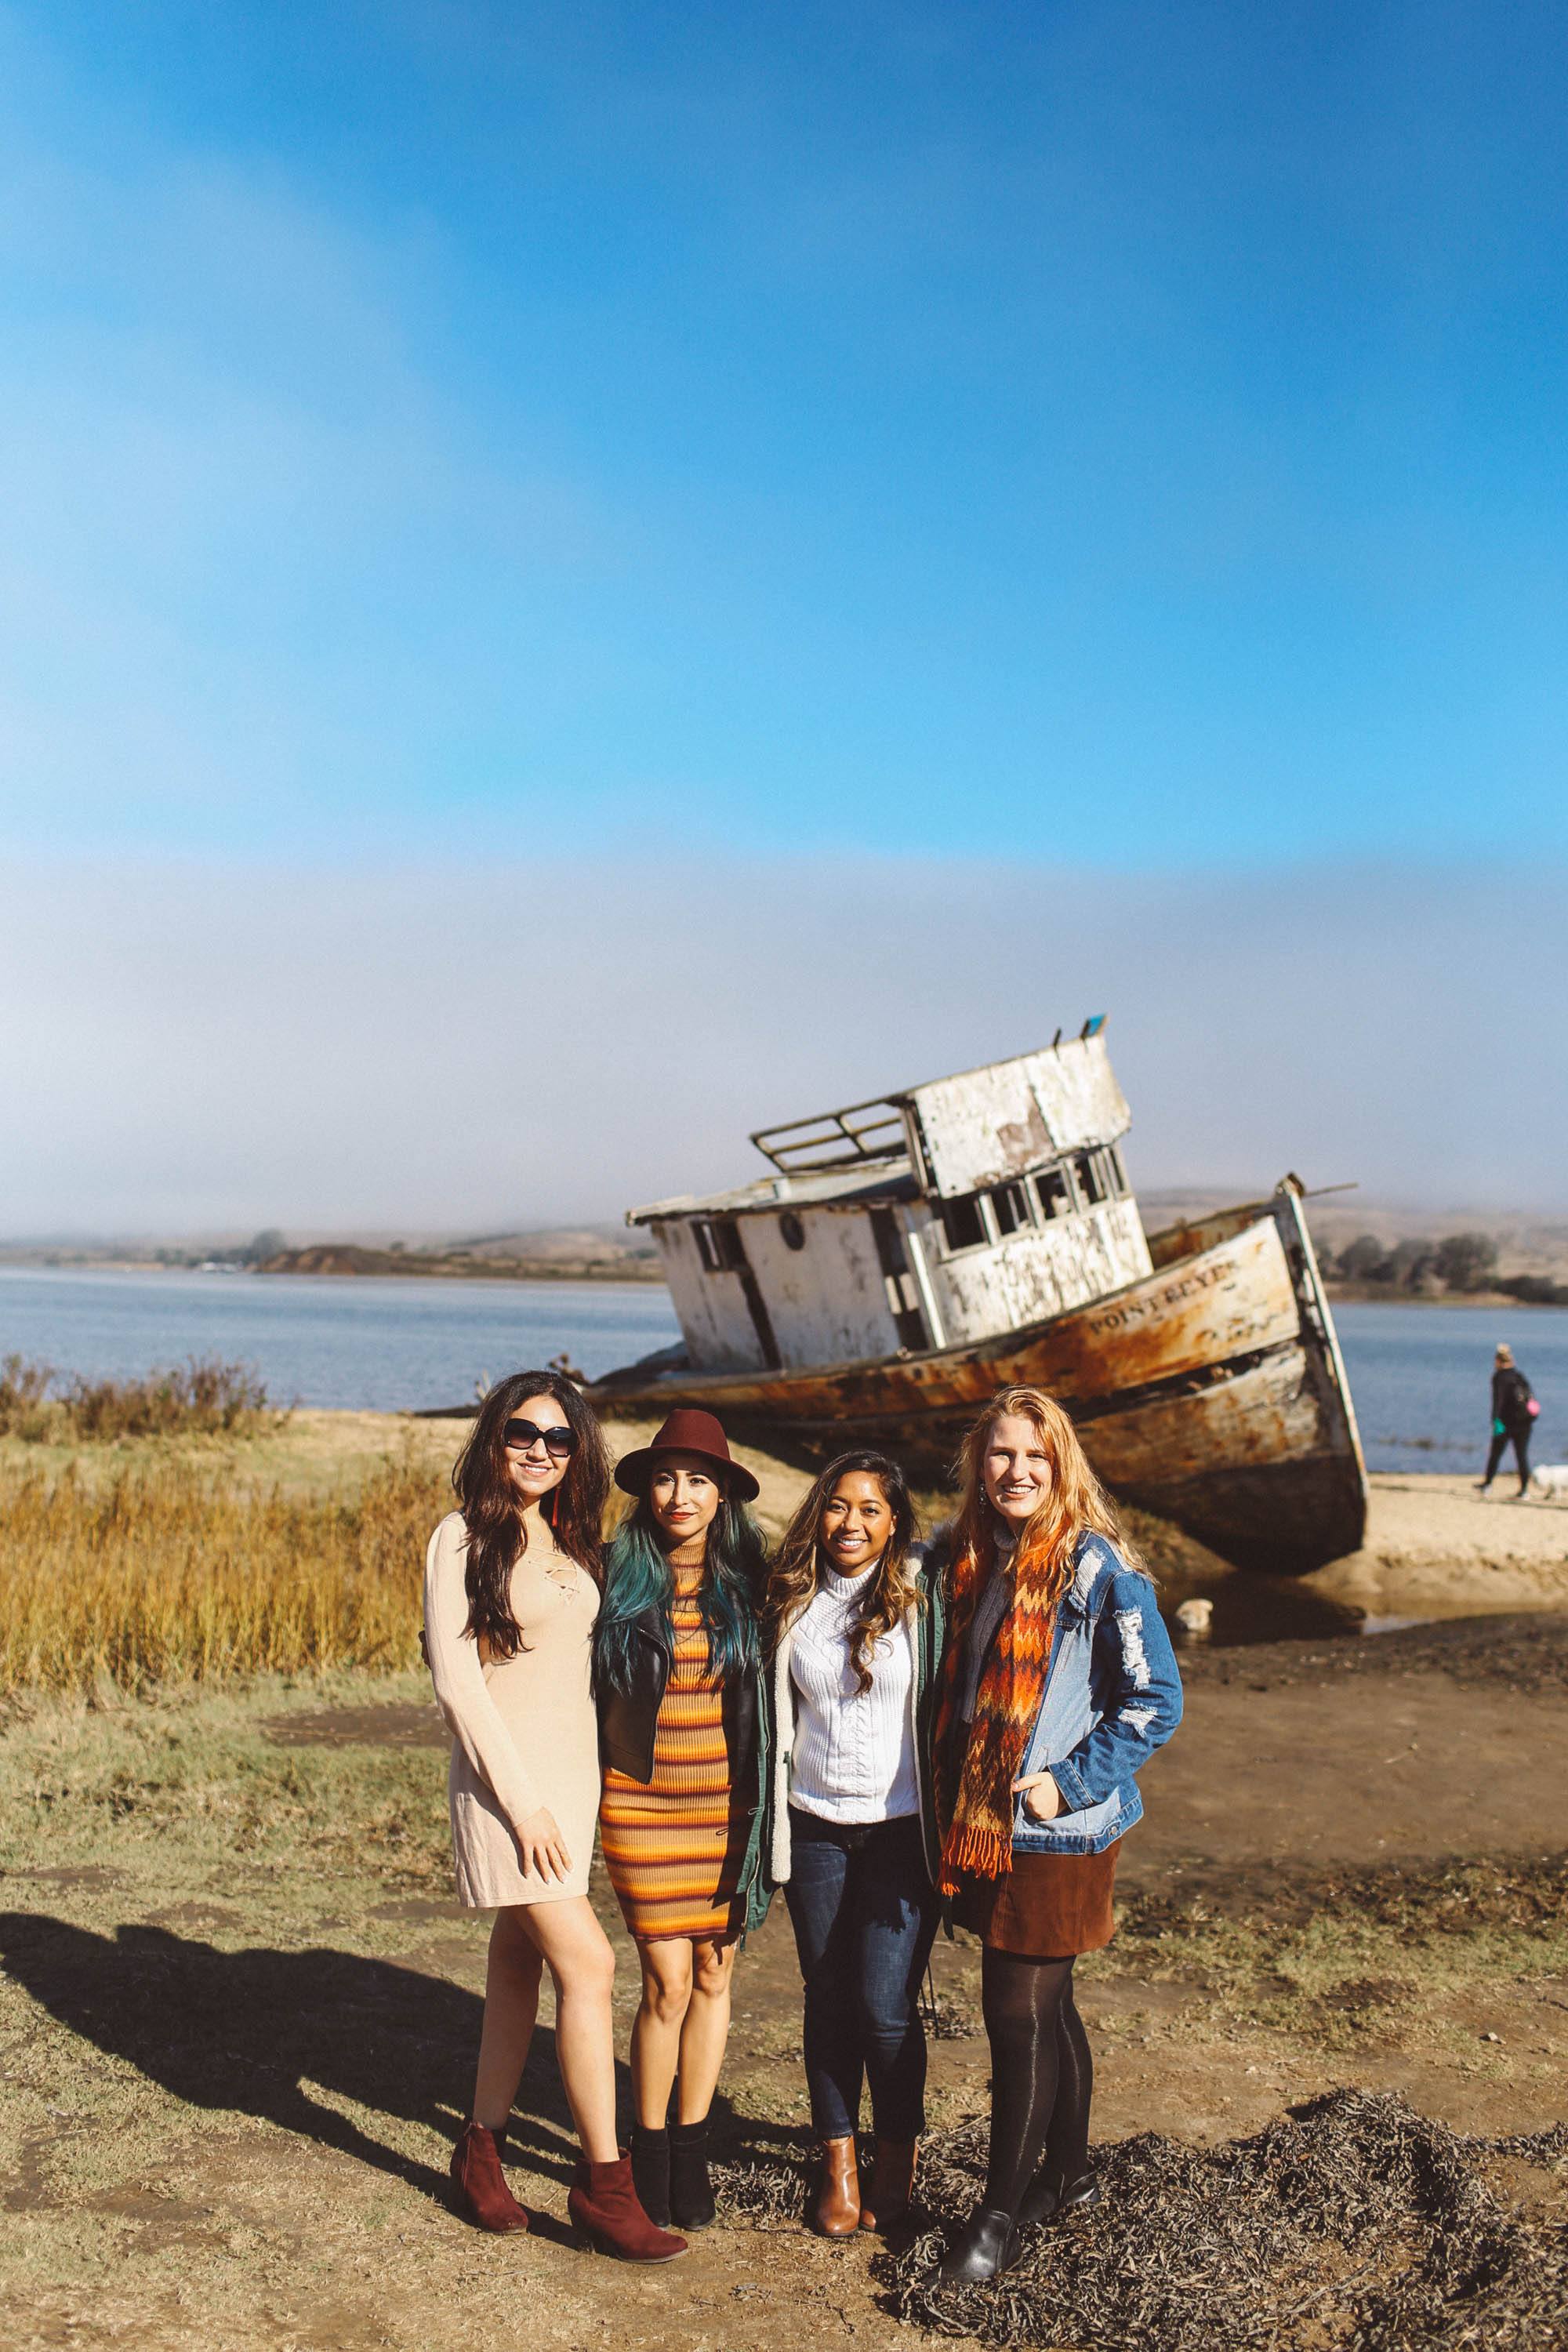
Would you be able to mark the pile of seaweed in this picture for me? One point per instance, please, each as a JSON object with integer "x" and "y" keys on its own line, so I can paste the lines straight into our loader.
{"x": 1353, "y": 2223}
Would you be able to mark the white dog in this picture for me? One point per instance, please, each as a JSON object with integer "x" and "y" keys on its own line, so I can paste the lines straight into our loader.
{"x": 1195, "y": 1618}
{"x": 1550, "y": 1480}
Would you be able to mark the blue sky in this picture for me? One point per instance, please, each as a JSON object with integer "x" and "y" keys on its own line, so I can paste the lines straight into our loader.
{"x": 1116, "y": 434}
{"x": 794, "y": 549}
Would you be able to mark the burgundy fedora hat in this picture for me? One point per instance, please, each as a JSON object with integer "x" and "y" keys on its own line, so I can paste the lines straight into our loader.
{"x": 687, "y": 1431}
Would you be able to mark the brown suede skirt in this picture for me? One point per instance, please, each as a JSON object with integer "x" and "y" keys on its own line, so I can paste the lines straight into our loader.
{"x": 1048, "y": 1906}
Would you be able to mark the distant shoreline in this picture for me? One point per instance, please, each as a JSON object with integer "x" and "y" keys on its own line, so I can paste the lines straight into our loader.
{"x": 642, "y": 1272}
{"x": 347, "y": 1260}
{"x": 1381, "y": 1294}
{"x": 458, "y": 1265}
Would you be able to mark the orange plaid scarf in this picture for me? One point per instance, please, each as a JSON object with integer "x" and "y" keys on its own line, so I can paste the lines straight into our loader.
{"x": 975, "y": 1776}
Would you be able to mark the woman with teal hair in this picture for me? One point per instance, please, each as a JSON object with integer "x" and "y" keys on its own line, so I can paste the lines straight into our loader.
{"x": 677, "y": 1661}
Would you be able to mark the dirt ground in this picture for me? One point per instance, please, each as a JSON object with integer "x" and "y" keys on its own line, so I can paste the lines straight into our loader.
{"x": 238, "y": 2010}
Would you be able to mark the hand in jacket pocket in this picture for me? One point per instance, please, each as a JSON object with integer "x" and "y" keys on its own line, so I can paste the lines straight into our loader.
{"x": 1042, "y": 1798}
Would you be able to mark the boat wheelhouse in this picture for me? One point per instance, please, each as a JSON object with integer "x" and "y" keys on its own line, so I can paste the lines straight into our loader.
{"x": 935, "y": 1218}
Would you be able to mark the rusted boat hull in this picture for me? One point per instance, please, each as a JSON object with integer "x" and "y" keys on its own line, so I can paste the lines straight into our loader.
{"x": 1211, "y": 1392}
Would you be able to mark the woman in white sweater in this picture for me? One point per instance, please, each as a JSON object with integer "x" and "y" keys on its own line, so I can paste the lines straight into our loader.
{"x": 858, "y": 1632}
{"x": 512, "y": 1594}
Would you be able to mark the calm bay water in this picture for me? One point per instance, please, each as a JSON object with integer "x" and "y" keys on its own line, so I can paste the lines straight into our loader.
{"x": 390, "y": 1344}
{"x": 1421, "y": 1379}
{"x": 1418, "y": 1374}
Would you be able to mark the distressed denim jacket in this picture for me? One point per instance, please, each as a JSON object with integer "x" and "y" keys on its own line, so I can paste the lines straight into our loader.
{"x": 1112, "y": 1696}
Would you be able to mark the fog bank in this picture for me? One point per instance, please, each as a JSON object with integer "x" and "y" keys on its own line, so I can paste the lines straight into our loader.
{"x": 194, "y": 1046}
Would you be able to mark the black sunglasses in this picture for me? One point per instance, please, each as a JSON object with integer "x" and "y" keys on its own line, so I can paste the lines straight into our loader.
{"x": 559, "y": 1441}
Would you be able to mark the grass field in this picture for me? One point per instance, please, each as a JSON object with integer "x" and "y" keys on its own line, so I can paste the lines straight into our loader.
{"x": 239, "y": 2008}
{"x": 288, "y": 1543}
{"x": 161, "y": 1574}
{"x": 292, "y": 1543}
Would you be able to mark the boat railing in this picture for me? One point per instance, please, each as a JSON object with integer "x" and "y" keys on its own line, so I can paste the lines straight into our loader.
{"x": 850, "y": 1138}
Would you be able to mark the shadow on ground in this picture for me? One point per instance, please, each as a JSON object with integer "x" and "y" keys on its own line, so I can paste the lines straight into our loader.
{"x": 283, "y": 2035}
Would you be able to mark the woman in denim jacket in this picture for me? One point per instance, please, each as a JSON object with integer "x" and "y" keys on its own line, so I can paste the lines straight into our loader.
{"x": 1060, "y": 1685}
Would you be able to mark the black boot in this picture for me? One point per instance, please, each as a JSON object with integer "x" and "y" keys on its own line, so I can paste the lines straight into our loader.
{"x": 988, "y": 2245}
{"x": 691, "y": 2204}
{"x": 1045, "y": 2200}
{"x": 650, "y": 2172}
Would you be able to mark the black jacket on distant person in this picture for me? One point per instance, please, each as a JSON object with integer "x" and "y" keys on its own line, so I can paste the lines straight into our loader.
{"x": 1510, "y": 1398}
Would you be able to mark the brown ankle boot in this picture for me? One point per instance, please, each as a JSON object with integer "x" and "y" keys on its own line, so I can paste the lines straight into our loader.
{"x": 837, "y": 2214}
{"x": 893, "y": 2185}
{"x": 475, "y": 2168}
{"x": 604, "y": 2206}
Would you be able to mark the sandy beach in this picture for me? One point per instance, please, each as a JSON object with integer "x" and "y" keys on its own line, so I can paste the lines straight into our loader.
{"x": 1435, "y": 1548}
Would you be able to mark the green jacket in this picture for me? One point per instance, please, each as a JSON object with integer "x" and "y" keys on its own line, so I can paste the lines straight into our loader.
{"x": 752, "y": 1892}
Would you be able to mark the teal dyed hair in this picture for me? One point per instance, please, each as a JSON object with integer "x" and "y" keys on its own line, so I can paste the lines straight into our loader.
{"x": 637, "y": 1579}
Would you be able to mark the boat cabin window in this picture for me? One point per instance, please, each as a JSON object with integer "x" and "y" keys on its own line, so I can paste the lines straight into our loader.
{"x": 1053, "y": 1190}
{"x": 1116, "y": 1172}
{"x": 1091, "y": 1180}
{"x": 719, "y": 1245}
{"x": 1010, "y": 1207}
{"x": 963, "y": 1225}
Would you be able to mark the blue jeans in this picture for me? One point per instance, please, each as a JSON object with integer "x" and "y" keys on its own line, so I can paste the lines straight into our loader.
{"x": 864, "y": 1912}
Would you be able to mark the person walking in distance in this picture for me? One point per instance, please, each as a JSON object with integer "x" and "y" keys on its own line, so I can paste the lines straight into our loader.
{"x": 1514, "y": 1410}
{"x": 1060, "y": 1684}
{"x": 512, "y": 1594}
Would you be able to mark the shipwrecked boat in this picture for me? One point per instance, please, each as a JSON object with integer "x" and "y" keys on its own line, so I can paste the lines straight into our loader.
{"x": 908, "y": 1256}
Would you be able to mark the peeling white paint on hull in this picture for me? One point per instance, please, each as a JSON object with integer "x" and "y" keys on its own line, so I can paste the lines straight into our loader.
{"x": 1210, "y": 1391}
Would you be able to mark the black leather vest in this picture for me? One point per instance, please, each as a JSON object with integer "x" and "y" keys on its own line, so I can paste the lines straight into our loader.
{"x": 629, "y": 1719}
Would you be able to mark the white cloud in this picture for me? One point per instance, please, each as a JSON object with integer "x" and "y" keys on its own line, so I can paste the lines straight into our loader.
{"x": 185, "y": 1045}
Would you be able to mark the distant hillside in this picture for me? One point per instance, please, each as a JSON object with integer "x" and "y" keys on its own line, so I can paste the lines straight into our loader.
{"x": 582, "y": 1243}
{"x": 589, "y": 1261}
{"x": 1527, "y": 1242}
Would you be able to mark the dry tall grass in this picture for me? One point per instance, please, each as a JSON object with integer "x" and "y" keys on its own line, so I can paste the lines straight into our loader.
{"x": 165, "y": 1574}
{"x": 202, "y": 1397}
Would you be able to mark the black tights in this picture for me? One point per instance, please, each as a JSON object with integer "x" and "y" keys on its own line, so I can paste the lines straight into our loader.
{"x": 1042, "y": 2076}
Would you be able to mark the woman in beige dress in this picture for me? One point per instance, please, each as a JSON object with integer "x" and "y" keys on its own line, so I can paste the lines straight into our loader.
{"x": 511, "y": 1593}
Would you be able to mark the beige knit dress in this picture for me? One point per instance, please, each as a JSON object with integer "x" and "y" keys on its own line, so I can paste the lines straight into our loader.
{"x": 524, "y": 1731}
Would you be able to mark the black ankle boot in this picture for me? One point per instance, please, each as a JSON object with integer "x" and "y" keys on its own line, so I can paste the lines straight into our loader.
{"x": 691, "y": 2204}
{"x": 650, "y": 2172}
{"x": 988, "y": 2246}
{"x": 1045, "y": 2200}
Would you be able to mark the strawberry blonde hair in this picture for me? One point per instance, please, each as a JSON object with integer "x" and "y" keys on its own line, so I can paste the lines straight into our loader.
{"x": 1076, "y": 1503}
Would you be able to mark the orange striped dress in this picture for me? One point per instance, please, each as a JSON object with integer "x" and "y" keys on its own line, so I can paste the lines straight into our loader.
{"x": 673, "y": 1845}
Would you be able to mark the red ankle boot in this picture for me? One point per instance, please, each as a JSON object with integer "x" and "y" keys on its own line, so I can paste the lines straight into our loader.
{"x": 604, "y": 2206}
{"x": 481, "y": 2184}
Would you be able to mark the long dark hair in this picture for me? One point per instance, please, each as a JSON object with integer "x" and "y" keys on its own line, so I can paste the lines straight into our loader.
{"x": 797, "y": 1563}
{"x": 492, "y": 1510}
{"x": 637, "y": 1578}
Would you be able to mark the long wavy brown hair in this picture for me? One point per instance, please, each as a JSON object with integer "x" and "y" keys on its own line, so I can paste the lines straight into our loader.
{"x": 492, "y": 1508}
{"x": 796, "y": 1569}
{"x": 1076, "y": 1502}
